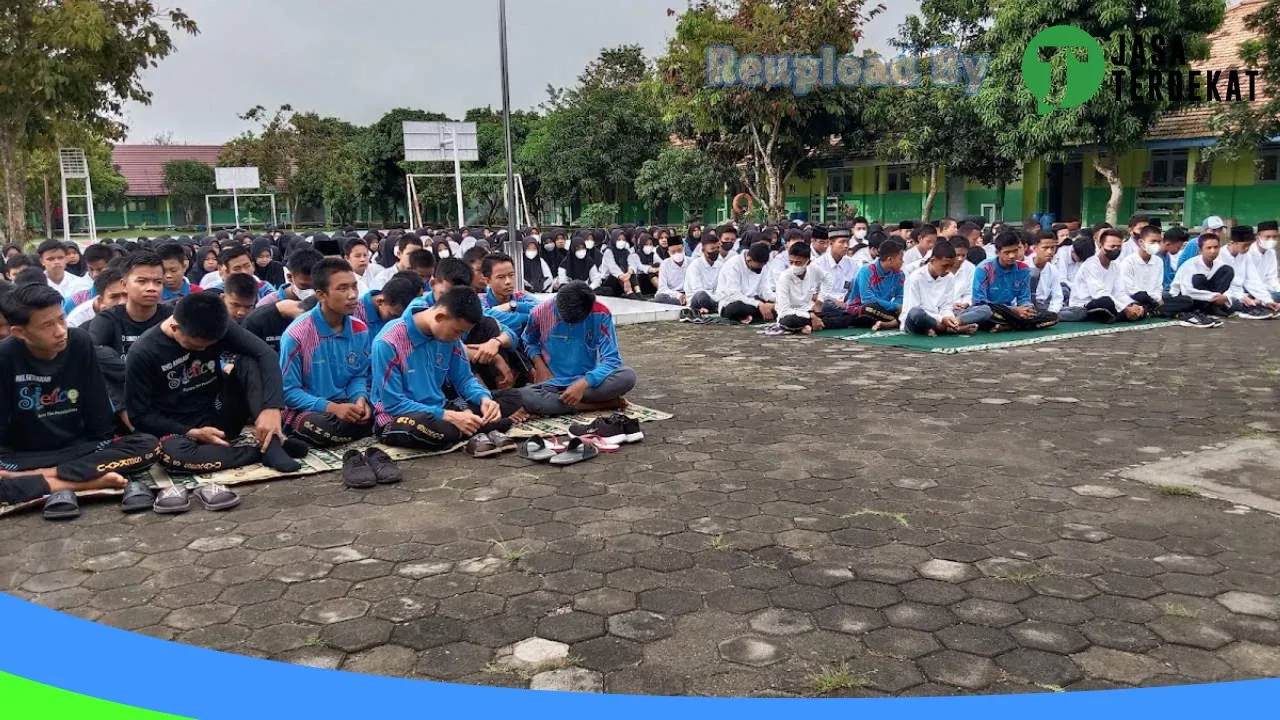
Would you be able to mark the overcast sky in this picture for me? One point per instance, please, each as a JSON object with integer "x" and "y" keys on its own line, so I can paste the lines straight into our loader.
{"x": 357, "y": 59}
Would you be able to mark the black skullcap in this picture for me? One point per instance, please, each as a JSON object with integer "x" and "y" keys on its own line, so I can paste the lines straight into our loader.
{"x": 1268, "y": 226}
{"x": 820, "y": 232}
{"x": 1242, "y": 233}
{"x": 840, "y": 233}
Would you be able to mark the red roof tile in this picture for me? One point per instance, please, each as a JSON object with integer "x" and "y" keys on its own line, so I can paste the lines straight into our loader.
{"x": 143, "y": 165}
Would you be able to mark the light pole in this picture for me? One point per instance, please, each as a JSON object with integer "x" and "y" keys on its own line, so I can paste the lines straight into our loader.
{"x": 514, "y": 248}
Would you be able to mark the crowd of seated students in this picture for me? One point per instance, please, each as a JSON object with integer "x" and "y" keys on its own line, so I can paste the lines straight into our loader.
{"x": 164, "y": 351}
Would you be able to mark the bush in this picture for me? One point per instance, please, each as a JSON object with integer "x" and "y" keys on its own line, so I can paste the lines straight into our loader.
{"x": 599, "y": 215}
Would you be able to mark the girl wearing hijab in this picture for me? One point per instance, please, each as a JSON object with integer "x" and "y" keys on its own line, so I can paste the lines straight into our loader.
{"x": 265, "y": 266}
{"x": 578, "y": 265}
{"x": 650, "y": 262}
{"x": 12, "y": 250}
{"x": 559, "y": 249}
{"x": 75, "y": 263}
{"x": 594, "y": 243}
{"x": 619, "y": 267}
{"x": 693, "y": 243}
{"x": 206, "y": 261}
{"x": 537, "y": 274}
{"x": 443, "y": 249}
{"x": 663, "y": 242}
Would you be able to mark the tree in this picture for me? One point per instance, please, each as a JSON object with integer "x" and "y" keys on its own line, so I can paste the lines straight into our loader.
{"x": 382, "y": 165}
{"x": 71, "y": 64}
{"x": 685, "y": 177}
{"x": 598, "y": 215}
{"x": 1247, "y": 126}
{"x": 341, "y": 184}
{"x": 769, "y": 133}
{"x": 1112, "y": 125}
{"x": 617, "y": 68}
{"x": 188, "y": 181}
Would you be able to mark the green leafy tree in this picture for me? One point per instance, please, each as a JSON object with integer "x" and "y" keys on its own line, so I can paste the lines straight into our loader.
{"x": 598, "y": 215}
{"x": 684, "y": 177}
{"x": 1113, "y": 125}
{"x": 489, "y": 193}
{"x": 188, "y": 181}
{"x": 383, "y": 168}
{"x": 340, "y": 191}
{"x": 72, "y": 63}
{"x": 770, "y": 134}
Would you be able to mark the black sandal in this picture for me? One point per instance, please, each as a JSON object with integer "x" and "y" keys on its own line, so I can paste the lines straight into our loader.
{"x": 62, "y": 505}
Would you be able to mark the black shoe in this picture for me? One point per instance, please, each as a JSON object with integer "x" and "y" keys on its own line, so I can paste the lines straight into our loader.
{"x": 611, "y": 429}
{"x": 356, "y": 472}
{"x": 631, "y": 427}
{"x": 1195, "y": 320}
{"x": 1101, "y": 315}
{"x": 384, "y": 468}
{"x": 137, "y": 497}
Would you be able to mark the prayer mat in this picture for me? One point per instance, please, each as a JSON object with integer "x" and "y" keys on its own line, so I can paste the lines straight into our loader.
{"x": 316, "y": 462}
{"x": 954, "y": 344}
{"x": 550, "y": 427}
{"x": 776, "y": 330}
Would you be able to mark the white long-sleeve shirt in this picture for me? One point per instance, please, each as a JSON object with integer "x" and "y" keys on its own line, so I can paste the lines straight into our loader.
{"x": 934, "y": 295}
{"x": 70, "y": 285}
{"x": 772, "y": 271}
{"x": 1264, "y": 270}
{"x": 1181, "y": 284}
{"x": 839, "y": 276}
{"x": 1094, "y": 281}
{"x": 700, "y": 276}
{"x": 964, "y": 283}
{"x": 82, "y": 314}
{"x": 1138, "y": 276}
{"x": 1243, "y": 272}
{"x": 1130, "y": 247}
{"x": 737, "y": 283}
{"x": 795, "y": 295}
{"x": 609, "y": 266}
{"x": 1065, "y": 259}
{"x": 1049, "y": 288}
{"x": 671, "y": 278}
{"x": 594, "y": 277}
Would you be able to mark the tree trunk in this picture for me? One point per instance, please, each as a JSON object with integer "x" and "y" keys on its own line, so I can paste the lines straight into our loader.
{"x": 13, "y": 177}
{"x": 932, "y": 194}
{"x": 1110, "y": 170}
{"x": 48, "y": 211}
{"x": 1001, "y": 188}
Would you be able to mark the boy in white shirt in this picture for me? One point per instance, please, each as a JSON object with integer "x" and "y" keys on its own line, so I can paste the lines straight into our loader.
{"x": 1097, "y": 287}
{"x": 701, "y": 276}
{"x": 738, "y": 287}
{"x": 1201, "y": 286}
{"x": 928, "y": 297}
{"x": 799, "y": 291}
{"x": 839, "y": 268}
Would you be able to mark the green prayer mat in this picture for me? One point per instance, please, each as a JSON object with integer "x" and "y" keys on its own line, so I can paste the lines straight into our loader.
{"x": 846, "y": 334}
{"x": 954, "y": 344}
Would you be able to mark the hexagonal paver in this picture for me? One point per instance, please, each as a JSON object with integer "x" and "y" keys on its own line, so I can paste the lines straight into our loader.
{"x": 1120, "y": 635}
{"x": 932, "y": 592}
{"x": 568, "y": 680}
{"x": 356, "y": 635}
{"x": 1252, "y": 659}
{"x": 1189, "y": 631}
{"x": 775, "y": 621}
{"x": 607, "y": 654}
{"x": 1050, "y": 637}
{"x": 947, "y": 571}
{"x": 449, "y": 662}
{"x": 1037, "y": 666}
{"x": 536, "y": 652}
{"x": 915, "y": 616}
{"x": 389, "y": 660}
{"x": 988, "y": 612}
{"x": 1251, "y": 604}
{"x": 751, "y": 651}
{"x": 335, "y": 611}
{"x": 825, "y": 576}
{"x": 900, "y": 643}
{"x": 471, "y": 606}
{"x": 976, "y": 640}
{"x": 959, "y": 669}
{"x": 868, "y": 594}
{"x": 670, "y": 601}
{"x": 1106, "y": 664}
{"x": 571, "y": 627}
{"x": 640, "y": 625}
{"x": 850, "y": 620}
{"x": 427, "y": 632}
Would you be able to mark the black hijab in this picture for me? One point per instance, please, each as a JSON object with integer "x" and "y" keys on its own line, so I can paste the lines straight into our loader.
{"x": 621, "y": 257}
{"x": 197, "y": 272}
{"x": 273, "y": 272}
{"x": 556, "y": 255}
{"x": 651, "y": 259}
{"x": 577, "y": 269}
{"x": 535, "y": 280}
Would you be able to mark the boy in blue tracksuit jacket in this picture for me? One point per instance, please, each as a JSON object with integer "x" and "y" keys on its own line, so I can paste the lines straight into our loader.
{"x": 1002, "y": 291}
{"x": 324, "y": 358}
{"x": 574, "y": 347}
{"x": 378, "y": 307}
{"x": 413, "y": 359}
{"x": 875, "y": 298}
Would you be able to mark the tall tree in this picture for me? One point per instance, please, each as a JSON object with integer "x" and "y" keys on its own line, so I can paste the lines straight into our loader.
{"x": 684, "y": 177}
{"x": 1112, "y": 125}
{"x": 188, "y": 181}
{"x": 382, "y": 167}
{"x": 77, "y": 63}
{"x": 769, "y": 133}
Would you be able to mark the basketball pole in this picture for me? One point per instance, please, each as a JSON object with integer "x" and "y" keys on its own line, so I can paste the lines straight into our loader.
{"x": 514, "y": 248}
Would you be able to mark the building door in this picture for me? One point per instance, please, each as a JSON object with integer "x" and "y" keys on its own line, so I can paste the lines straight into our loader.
{"x": 955, "y": 196}
{"x": 1066, "y": 190}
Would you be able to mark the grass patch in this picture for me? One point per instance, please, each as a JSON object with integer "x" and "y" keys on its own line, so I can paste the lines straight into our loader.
{"x": 1051, "y": 688}
{"x": 718, "y": 543}
{"x": 509, "y": 555}
{"x": 838, "y": 677}
{"x": 1176, "y": 610}
{"x": 900, "y": 518}
{"x": 314, "y": 641}
{"x": 1170, "y": 490}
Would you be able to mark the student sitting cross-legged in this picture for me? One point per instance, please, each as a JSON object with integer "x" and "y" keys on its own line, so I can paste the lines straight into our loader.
{"x": 57, "y": 427}
{"x": 929, "y": 296}
{"x": 177, "y": 391}
{"x": 875, "y": 299}
{"x": 324, "y": 358}
{"x": 799, "y": 293}
{"x": 414, "y": 358}
{"x": 1099, "y": 284}
{"x": 577, "y": 366}
{"x": 1002, "y": 291}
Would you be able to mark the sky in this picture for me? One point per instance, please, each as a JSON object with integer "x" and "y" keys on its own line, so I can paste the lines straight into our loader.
{"x": 357, "y": 59}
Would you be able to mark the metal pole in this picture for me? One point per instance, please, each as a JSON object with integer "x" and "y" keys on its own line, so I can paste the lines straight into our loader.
{"x": 457, "y": 180}
{"x": 235, "y": 200}
{"x": 513, "y": 243}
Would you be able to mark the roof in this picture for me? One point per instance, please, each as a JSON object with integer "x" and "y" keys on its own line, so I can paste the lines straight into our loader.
{"x": 143, "y": 165}
{"x": 1224, "y": 55}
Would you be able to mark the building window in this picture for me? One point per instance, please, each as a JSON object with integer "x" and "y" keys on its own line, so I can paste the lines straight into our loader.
{"x": 1269, "y": 166}
{"x": 840, "y": 181}
{"x": 1169, "y": 168}
{"x": 899, "y": 179}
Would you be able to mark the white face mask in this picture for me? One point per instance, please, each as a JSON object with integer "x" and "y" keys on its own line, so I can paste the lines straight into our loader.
{"x": 580, "y": 254}
{"x": 799, "y": 272}
{"x": 304, "y": 295}
{"x": 548, "y": 246}
{"x": 678, "y": 258}
{"x": 1153, "y": 248}
{"x": 590, "y": 244}
{"x": 647, "y": 250}
{"x": 531, "y": 254}
{"x": 1267, "y": 245}
{"x": 859, "y": 234}
{"x": 621, "y": 244}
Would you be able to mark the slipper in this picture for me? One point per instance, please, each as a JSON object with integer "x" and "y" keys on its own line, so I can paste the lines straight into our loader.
{"x": 216, "y": 497}
{"x": 172, "y": 501}
{"x": 554, "y": 444}
{"x": 600, "y": 443}
{"x": 576, "y": 452}
{"x": 62, "y": 505}
{"x": 535, "y": 449}
{"x": 137, "y": 497}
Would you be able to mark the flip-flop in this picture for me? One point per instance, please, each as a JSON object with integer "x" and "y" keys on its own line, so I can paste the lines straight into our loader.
{"x": 600, "y": 443}
{"x": 216, "y": 497}
{"x": 173, "y": 500}
{"x": 576, "y": 452}
{"x": 535, "y": 449}
{"x": 62, "y": 505}
{"x": 137, "y": 497}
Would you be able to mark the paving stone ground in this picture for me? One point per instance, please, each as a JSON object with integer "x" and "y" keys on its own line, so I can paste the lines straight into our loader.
{"x": 881, "y": 532}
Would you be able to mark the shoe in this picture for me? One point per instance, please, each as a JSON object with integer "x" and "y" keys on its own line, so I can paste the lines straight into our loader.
{"x": 1101, "y": 315}
{"x": 609, "y": 428}
{"x": 137, "y": 497}
{"x": 480, "y": 446}
{"x": 1254, "y": 314}
{"x": 502, "y": 442}
{"x": 687, "y": 315}
{"x": 1212, "y": 320}
{"x": 173, "y": 500}
{"x": 356, "y": 473}
{"x": 631, "y": 427}
{"x": 1195, "y": 320}
{"x": 216, "y": 498}
{"x": 384, "y": 468}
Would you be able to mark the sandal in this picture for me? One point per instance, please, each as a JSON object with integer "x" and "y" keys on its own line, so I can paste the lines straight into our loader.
{"x": 172, "y": 501}
{"x": 216, "y": 497}
{"x": 600, "y": 443}
{"x": 62, "y": 505}
{"x": 576, "y": 452}
{"x": 535, "y": 449}
{"x": 137, "y": 497}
